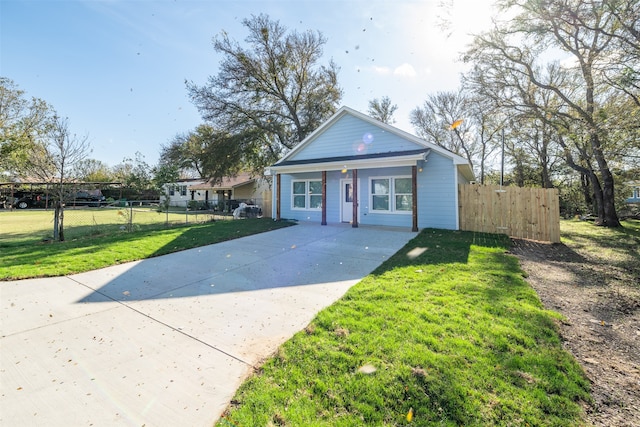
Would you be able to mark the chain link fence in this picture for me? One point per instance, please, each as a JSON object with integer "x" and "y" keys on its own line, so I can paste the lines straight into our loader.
{"x": 121, "y": 216}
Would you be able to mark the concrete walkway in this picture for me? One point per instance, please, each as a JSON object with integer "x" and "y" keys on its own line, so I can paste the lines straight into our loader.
{"x": 167, "y": 341}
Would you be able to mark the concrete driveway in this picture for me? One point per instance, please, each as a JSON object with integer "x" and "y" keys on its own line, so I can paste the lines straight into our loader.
{"x": 167, "y": 341}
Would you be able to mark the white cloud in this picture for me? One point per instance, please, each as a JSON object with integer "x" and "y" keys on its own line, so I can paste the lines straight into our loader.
{"x": 384, "y": 71}
{"x": 405, "y": 70}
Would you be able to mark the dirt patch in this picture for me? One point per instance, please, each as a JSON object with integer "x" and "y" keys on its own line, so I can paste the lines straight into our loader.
{"x": 601, "y": 328}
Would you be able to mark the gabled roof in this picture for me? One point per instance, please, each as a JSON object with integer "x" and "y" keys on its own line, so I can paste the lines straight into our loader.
{"x": 227, "y": 183}
{"x": 287, "y": 163}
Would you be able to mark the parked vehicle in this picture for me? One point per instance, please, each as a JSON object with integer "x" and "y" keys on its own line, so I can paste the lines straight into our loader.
{"x": 27, "y": 199}
{"x": 85, "y": 198}
{"x": 24, "y": 200}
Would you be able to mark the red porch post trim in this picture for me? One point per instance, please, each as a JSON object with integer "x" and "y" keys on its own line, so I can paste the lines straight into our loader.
{"x": 354, "y": 222}
{"x": 414, "y": 198}
{"x": 324, "y": 198}
{"x": 278, "y": 186}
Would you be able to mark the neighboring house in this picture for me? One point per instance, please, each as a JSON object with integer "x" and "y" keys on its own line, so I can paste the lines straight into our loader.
{"x": 208, "y": 193}
{"x": 180, "y": 192}
{"x": 635, "y": 192}
{"x": 358, "y": 170}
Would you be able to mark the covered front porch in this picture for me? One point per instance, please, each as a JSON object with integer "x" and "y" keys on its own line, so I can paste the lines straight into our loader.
{"x": 373, "y": 189}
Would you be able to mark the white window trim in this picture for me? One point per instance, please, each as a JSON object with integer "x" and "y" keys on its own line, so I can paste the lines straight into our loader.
{"x": 307, "y": 198}
{"x": 392, "y": 196}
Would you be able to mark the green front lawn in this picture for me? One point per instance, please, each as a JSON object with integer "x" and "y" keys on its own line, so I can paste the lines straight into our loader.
{"x": 446, "y": 332}
{"x": 25, "y": 258}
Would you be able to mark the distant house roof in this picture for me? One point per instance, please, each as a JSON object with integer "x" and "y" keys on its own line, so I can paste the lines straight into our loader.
{"x": 227, "y": 183}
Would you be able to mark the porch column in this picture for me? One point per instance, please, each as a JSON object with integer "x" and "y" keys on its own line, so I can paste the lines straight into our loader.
{"x": 324, "y": 198}
{"x": 277, "y": 197}
{"x": 354, "y": 222}
{"x": 414, "y": 196}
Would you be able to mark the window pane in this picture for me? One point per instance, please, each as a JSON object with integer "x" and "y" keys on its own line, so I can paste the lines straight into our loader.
{"x": 379, "y": 186}
{"x": 315, "y": 187}
{"x": 299, "y": 201}
{"x": 403, "y": 203}
{"x": 380, "y": 203}
{"x": 315, "y": 202}
{"x": 403, "y": 185}
{"x": 299, "y": 187}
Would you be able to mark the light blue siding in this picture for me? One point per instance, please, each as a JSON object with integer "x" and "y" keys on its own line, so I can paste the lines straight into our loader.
{"x": 286, "y": 204}
{"x": 352, "y": 136}
{"x": 437, "y": 201}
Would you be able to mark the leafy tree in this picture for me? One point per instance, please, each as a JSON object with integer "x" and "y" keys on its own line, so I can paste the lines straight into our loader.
{"x": 134, "y": 174}
{"x": 381, "y": 109}
{"x": 207, "y": 153}
{"x": 92, "y": 170}
{"x": 165, "y": 173}
{"x": 23, "y": 124}
{"x": 186, "y": 152}
{"x": 513, "y": 58}
{"x": 274, "y": 89}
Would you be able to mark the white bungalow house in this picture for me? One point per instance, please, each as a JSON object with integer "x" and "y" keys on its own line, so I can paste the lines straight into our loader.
{"x": 213, "y": 194}
{"x": 355, "y": 169}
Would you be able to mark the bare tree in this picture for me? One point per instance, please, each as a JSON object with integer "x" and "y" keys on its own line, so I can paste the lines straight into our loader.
{"x": 433, "y": 121}
{"x": 381, "y": 109}
{"x": 54, "y": 159}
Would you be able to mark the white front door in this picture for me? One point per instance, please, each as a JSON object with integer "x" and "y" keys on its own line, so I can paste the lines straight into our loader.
{"x": 346, "y": 194}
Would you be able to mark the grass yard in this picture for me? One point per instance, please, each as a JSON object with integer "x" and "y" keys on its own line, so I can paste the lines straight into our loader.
{"x": 26, "y": 256}
{"x": 446, "y": 332}
{"x": 611, "y": 246}
{"x": 37, "y": 225}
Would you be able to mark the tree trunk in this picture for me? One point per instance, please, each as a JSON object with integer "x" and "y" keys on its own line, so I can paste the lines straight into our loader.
{"x": 61, "y": 223}
{"x": 56, "y": 215}
{"x": 597, "y": 195}
{"x": 585, "y": 185}
{"x": 607, "y": 215}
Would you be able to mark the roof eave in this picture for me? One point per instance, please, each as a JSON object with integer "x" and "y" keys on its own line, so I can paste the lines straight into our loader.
{"x": 409, "y": 160}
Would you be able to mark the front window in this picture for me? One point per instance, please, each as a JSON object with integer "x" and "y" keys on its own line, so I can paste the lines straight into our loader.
{"x": 299, "y": 194}
{"x": 307, "y": 194}
{"x": 315, "y": 194}
{"x": 403, "y": 194}
{"x": 380, "y": 194}
{"x": 391, "y": 194}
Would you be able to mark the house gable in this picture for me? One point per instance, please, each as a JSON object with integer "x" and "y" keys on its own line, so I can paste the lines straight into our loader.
{"x": 351, "y": 136}
{"x": 352, "y": 139}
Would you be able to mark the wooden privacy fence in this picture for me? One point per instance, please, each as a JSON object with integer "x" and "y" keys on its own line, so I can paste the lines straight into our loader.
{"x": 526, "y": 213}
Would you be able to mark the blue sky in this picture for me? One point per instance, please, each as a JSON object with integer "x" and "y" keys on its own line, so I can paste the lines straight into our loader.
{"x": 117, "y": 68}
